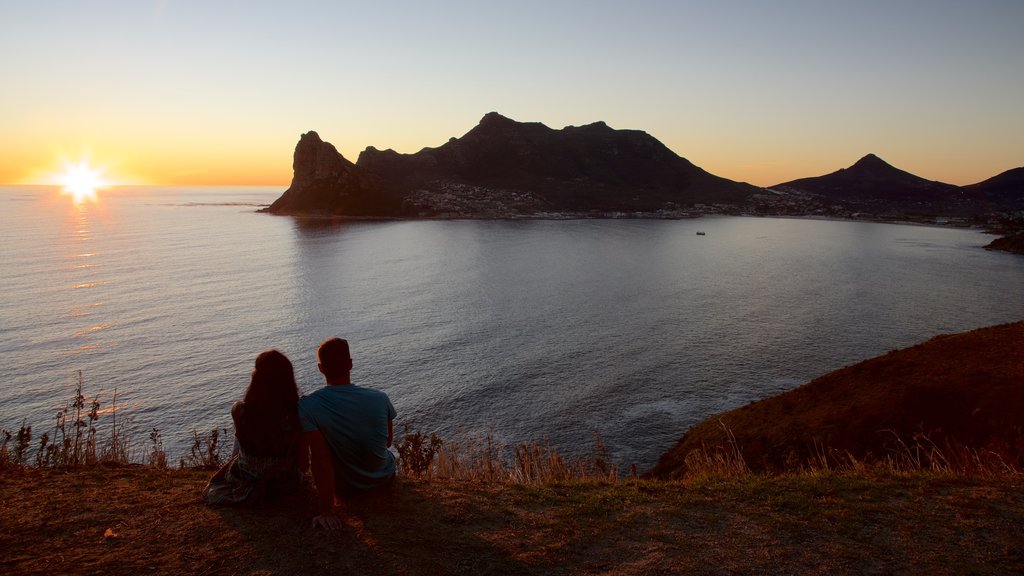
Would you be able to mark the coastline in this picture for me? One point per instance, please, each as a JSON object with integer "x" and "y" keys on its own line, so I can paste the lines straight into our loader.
{"x": 1003, "y": 243}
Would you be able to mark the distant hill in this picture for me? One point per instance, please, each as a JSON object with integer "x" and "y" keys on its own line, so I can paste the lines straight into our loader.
{"x": 966, "y": 388}
{"x": 872, "y": 182}
{"x": 504, "y": 168}
{"x": 1004, "y": 192}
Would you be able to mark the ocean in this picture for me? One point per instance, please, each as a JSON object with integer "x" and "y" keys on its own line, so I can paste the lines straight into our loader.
{"x": 532, "y": 329}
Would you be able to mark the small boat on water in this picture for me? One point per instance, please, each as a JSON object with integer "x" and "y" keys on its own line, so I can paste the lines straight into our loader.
{"x": 701, "y": 233}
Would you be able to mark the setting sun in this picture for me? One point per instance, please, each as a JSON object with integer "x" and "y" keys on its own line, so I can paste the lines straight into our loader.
{"x": 81, "y": 181}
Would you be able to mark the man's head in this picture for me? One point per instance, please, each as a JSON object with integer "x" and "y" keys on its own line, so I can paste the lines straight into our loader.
{"x": 335, "y": 361}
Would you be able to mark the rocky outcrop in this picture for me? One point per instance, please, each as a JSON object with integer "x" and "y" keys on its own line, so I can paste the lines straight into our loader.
{"x": 1014, "y": 243}
{"x": 325, "y": 183}
{"x": 504, "y": 168}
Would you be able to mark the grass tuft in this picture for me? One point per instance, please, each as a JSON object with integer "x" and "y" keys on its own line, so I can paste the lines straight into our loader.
{"x": 205, "y": 451}
{"x": 76, "y": 440}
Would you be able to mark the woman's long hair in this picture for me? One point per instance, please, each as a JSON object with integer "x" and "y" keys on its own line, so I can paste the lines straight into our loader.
{"x": 271, "y": 406}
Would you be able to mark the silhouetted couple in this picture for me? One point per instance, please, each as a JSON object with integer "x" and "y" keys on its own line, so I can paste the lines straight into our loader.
{"x": 341, "y": 431}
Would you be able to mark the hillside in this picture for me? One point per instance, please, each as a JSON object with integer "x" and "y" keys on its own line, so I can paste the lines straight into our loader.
{"x": 504, "y": 168}
{"x": 1004, "y": 191}
{"x": 137, "y": 520}
{"x": 966, "y": 389}
{"x": 873, "y": 184}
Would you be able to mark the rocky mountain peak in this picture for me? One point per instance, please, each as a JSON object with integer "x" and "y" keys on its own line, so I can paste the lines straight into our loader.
{"x": 870, "y": 159}
{"x": 495, "y": 119}
{"x": 315, "y": 159}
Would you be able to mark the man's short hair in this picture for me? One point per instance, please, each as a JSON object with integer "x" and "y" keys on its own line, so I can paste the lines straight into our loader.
{"x": 334, "y": 357}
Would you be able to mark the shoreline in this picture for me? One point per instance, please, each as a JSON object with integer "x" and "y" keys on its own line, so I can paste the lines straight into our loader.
{"x": 996, "y": 245}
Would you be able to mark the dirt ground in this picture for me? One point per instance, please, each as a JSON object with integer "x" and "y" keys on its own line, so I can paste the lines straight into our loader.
{"x": 138, "y": 520}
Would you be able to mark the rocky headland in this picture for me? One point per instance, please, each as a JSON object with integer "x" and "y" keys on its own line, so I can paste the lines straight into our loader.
{"x": 504, "y": 169}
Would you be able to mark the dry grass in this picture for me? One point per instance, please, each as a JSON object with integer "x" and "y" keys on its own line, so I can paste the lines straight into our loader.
{"x": 483, "y": 458}
{"x": 136, "y": 519}
{"x": 79, "y": 438}
{"x": 74, "y": 440}
{"x": 913, "y": 456}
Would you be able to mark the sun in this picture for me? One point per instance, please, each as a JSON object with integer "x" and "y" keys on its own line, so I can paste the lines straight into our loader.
{"x": 81, "y": 181}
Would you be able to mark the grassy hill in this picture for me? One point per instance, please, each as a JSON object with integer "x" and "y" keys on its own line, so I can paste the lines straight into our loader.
{"x": 956, "y": 397}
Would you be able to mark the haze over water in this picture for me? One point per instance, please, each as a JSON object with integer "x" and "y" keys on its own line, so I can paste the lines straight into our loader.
{"x": 539, "y": 329}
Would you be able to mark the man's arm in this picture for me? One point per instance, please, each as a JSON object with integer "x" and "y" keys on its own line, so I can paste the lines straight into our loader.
{"x": 323, "y": 476}
{"x": 391, "y": 432}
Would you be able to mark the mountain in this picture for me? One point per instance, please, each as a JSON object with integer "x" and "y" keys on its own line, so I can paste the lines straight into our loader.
{"x": 505, "y": 168}
{"x": 1004, "y": 192}
{"x": 873, "y": 182}
{"x": 955, "y": 390}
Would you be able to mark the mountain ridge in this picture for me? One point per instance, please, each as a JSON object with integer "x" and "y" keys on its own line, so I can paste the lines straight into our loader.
{"x": 504, "y": 168}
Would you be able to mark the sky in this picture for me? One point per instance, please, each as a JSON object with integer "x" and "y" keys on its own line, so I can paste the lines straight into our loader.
{"x": 219, "y": 91}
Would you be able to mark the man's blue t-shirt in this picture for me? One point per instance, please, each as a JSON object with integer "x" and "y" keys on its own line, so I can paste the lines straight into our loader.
{"x": 354, "y": 422}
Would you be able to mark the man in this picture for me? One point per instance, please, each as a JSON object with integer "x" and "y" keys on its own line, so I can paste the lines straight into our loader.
{"x": 348, "y": 429}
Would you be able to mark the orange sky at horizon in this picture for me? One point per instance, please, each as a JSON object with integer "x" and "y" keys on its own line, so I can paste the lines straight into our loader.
{"x": 185, "y": 92}
{"x": 244, "y": 163}
{"x": 263, "y": 157}
{"x": 136, "y": 165}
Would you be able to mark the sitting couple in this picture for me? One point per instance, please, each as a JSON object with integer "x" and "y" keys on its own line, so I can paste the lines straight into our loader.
{"x": 342, "y": 431}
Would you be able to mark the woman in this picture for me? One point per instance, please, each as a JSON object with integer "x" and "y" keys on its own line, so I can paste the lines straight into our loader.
{"x": 267, "y": 433}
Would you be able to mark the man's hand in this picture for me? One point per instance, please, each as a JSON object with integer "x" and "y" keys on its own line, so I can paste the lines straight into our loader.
{"x": 327, "y": 522}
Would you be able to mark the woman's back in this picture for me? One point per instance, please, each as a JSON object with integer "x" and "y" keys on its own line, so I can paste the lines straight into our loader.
{"x": 265, "y": 434}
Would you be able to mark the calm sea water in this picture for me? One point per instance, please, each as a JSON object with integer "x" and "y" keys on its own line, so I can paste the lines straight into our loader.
{"x": 536, "y": 329}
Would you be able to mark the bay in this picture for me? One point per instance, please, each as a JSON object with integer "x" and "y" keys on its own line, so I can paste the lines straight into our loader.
{"x": 534, "y": 329}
